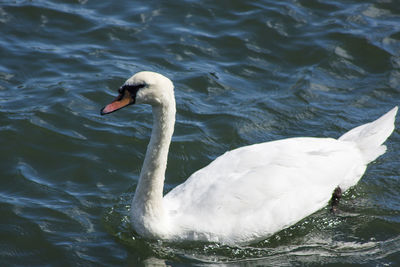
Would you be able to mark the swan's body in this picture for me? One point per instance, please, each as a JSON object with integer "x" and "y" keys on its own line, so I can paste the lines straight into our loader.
{"x": 248, "y": 193}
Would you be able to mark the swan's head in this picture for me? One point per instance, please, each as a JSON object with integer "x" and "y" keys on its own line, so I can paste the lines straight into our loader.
{"x": 143, "y": 88}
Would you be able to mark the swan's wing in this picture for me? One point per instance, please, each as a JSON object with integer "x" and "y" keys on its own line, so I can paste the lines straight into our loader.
{"x": 256, "y": 190}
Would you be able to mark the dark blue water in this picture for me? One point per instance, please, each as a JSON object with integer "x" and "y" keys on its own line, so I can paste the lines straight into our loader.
{"x": 244, "y": 72}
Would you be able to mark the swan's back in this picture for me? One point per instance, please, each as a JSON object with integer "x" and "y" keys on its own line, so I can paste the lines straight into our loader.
{"x": 251, "y": 192}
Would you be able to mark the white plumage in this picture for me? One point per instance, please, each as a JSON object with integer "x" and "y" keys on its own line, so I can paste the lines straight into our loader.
{"x": 248, "y": 193}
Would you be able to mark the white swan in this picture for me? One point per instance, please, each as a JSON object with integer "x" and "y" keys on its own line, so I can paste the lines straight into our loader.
{"x": 248, "y": 193}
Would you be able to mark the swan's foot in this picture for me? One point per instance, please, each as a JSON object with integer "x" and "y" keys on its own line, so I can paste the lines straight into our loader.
{"x": 336, "y": 196}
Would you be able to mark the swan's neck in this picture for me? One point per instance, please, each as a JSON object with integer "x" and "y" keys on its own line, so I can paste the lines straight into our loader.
{"x": 147, "y": 206}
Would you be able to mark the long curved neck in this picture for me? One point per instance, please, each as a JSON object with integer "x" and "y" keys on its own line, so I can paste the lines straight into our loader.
{"x": 149, "y": 192}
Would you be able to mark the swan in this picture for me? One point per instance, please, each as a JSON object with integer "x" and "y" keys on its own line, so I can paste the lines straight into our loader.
{"x": 249, "y": 193}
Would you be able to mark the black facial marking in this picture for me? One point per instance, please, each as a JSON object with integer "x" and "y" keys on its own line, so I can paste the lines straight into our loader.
{"x": 133, "y": 89}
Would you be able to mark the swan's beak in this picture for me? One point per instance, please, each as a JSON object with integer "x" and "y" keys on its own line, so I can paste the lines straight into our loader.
{"x": 124, "y": 99}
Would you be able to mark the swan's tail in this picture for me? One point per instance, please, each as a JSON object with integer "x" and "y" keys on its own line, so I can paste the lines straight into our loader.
{"x": 371, "y": 136}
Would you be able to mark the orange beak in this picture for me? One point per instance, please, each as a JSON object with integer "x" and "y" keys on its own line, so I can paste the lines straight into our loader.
{"x": 124, "y": 99}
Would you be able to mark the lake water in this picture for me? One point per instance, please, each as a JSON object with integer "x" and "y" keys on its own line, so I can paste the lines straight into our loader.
{"x": 244, "y": 72}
